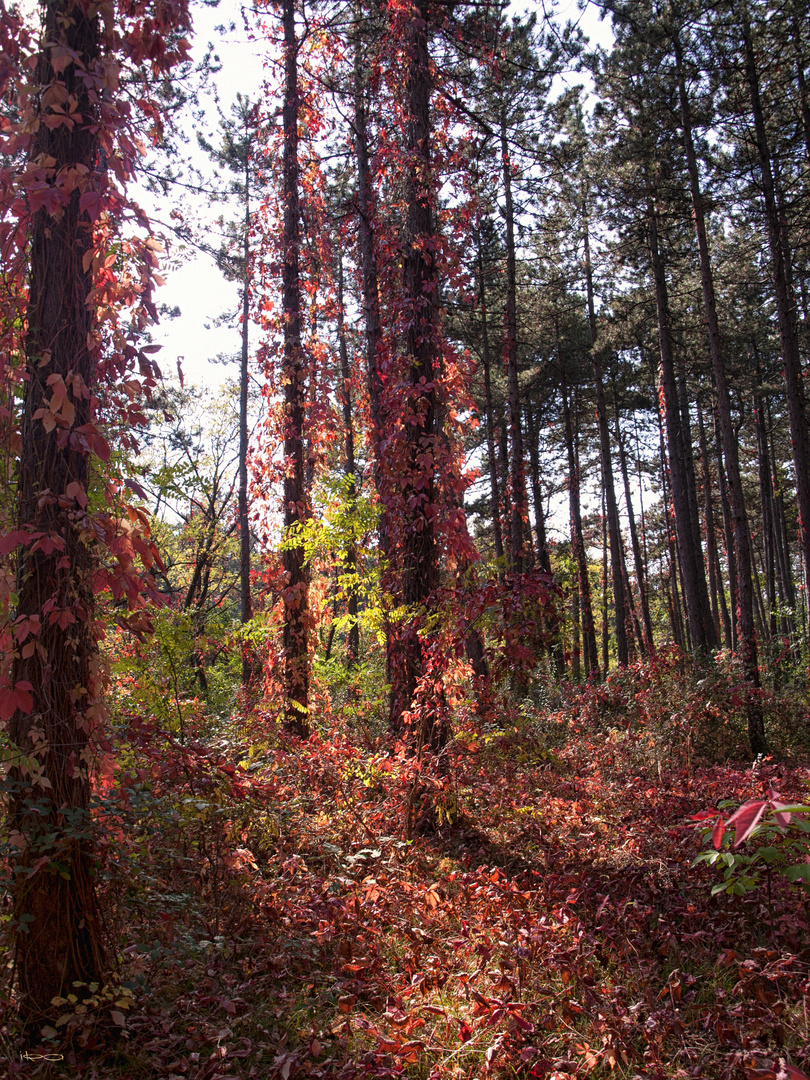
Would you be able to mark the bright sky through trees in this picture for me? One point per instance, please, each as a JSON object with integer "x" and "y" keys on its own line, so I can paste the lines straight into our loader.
{"x": 195, "y": 285}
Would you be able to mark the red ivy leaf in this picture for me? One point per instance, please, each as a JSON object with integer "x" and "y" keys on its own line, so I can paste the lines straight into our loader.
{"x": 718, "y": 832}
{"x": 745, "y": 819}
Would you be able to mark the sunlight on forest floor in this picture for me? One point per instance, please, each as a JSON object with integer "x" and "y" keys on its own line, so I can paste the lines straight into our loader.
{"x": 546, "y": 923}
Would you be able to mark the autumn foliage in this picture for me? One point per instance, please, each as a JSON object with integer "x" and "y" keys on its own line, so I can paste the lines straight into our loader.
{"x": 346, "y": 805}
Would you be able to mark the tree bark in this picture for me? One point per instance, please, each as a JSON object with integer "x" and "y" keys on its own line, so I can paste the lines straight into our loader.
{"x": 674, "y": 603}
{"x": 368, "y": 263}
{"x": 605, "y": 622}
{"x": 490, "y": 416}
{"x": 716, "y": 586}
{"x": 781, "y": 265}
{"x": 742, "y": 540}
{"x": 702, "y": 632}
{"x": 552, "y": 624}
{"x": 419, "y": 574}
{"x": 295, "y": 593}
{"x": 58, "y": 940}
{"x": 614, "y": 529}
{"x": 648, "y": 643}
{"x": 576, "y": 655}
{"x": 728, "y": 533}
{"x": 578, "y": 542}
{"x": 353, "y": 635}
{"x": 518, "y": 477}
{"x": 537, "y": 497}
{"x": 767, "y": 511}
{"x": 245, "y": 598}
{"x": 781, "y": 544}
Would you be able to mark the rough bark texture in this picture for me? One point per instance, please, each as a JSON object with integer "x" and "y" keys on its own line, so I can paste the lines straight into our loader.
{"x": 246, "y": 603}
{"x": 552, "y": 622}
{"x": 419, "y": 571}
{"x": 368, "y": 258}
{"x": 294, "y": 381}
{"x": 648, "y": 643}
{"x": 701, "y": 628}
{"x": 614, "y": 529}
{"x": 578, "y": 544}
{"x": 716, "y": 586}
{"x": 517, "y": 474}
{"x": 353, "y": 635}
{"x": 781, "y": 267}
{"x": 728, "y": 533}
{"x": 673, "y": 600}
{"x": 490, "y": 417}
{"x": 742, "y": 539}
{"x": 59, "y": 938}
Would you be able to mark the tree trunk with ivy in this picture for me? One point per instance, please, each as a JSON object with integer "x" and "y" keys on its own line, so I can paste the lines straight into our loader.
{"x": 294, "y": 379}
{"x": 58, "y": 926}
{"x": 417, "y": 497}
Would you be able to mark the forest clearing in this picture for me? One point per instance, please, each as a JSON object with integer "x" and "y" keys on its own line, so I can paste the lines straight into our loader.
{"x": 428, "y": 697}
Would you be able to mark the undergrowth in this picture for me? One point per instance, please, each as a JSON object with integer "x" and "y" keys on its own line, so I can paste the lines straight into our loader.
{"x": 271, "y": 921}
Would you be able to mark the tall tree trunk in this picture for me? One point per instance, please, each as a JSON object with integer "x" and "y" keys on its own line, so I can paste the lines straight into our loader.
{"x": 796, "y": 20}
{"x": 728, "y": 534}
{"x": 644, "y": 550}
{"x": 552, "y": 624}
{"x": 503, "y": 469}
{"x": 578, "y": 541}
{"x": 576, "y": 672}
{"x": 767, "y": 511}
{"x": 295, "y": 593}
{"x": 674, "y": 603}
{"x": 781, "y": 265}
{"x": 620, "y": 601}
{"x": 742, "y": 540}
{"x": 419, "y": 575}
{"x": 353, "y": 635}
{"x": 490, "y": 414}
{"x": 638, "y": 560}
{"x": 702, "y": 631}
{"x": 605, "y": 591}
{"x": 787, "y": 589}
{"x": 716, "y": 587}
{"x": 245, "y": 599}
{"x": 636, "y": 640}
{"x": 518, "y": 477}
{"x": 368, "y": 264}
{"x": 537, "y": 496}
{"x": 58, "y": 941}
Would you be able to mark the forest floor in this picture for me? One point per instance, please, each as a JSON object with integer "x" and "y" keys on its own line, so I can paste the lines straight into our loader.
{"x": 546, "y": 920}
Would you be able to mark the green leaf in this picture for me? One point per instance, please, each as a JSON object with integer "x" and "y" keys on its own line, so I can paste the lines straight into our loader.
{"x": 798, "y": 873}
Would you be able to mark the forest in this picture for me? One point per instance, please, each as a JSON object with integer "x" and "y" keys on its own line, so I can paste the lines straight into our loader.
{"x": 428, "y": 698}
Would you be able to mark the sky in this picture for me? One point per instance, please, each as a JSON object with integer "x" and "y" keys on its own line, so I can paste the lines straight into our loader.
{"x": 196, "y": 286}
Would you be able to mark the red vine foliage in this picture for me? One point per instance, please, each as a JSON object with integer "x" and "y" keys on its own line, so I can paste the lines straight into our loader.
{"x": 79, "y": 261}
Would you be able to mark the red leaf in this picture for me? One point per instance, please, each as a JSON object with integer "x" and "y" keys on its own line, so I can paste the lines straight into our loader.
{"x": 10, "y": 540}
{"x": 745, "y": 819}
{"x": 90, "y": 201}
{"x": 7, "y": 704}
{"x": 718, "y": 831}
{"x": 778, "y": 807}
{"x": 77, "y": 492}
